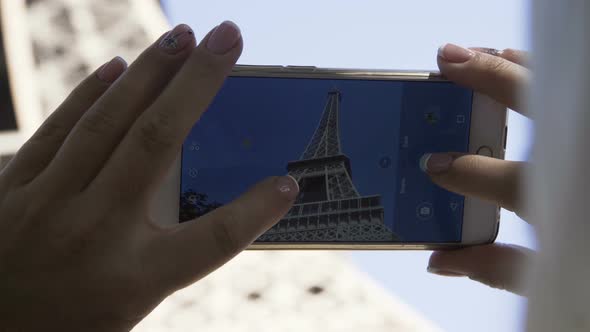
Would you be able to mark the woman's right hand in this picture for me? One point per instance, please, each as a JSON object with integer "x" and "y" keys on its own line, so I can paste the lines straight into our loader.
{"x": 501, "y": 75}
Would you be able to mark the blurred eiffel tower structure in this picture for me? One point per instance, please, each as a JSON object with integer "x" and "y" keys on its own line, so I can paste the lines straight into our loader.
{"x": 54, "y": 44}
{"x": 329, "y": 207}
{"x": 71, "y": 38}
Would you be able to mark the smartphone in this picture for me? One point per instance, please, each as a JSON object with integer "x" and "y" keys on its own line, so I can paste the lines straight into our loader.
{"x": 354, "y": 141}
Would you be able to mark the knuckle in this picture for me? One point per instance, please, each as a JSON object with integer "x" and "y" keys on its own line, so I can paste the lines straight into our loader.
{"x": 98, "y": 120}
{"x": 478, "y": 59}
{"x": 156, "y": 132}
{"x": 224, "y": 235}
{"x": 495, "y": 64}
{"x": 470, "y": 163}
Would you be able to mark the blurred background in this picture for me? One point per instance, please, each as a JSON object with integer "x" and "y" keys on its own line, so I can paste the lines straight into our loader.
{"x": 48, "y": 46}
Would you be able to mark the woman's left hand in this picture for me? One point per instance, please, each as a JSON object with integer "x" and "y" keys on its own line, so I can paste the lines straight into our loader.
{"x": 78, "y": 249}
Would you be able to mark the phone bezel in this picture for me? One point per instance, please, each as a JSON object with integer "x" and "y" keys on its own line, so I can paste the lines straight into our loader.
{"x": 488, "y": 121}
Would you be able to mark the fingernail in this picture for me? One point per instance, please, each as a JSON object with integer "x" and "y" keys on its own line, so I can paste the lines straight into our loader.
{"x": 110, "y": 71}
{"x": 490, "y": 51}
{"x": 177, "y": 39}
{"x": 454, "y": 54}
{"x": 441, "y": 272}
{"x": 288, "y": 187}
{"x": 224, "y": 37}
{"x": 435, "y": 162}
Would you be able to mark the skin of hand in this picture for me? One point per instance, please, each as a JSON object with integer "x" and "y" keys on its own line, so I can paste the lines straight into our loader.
{"x": 78, "y": 251}
{"x": 503, "y": 76}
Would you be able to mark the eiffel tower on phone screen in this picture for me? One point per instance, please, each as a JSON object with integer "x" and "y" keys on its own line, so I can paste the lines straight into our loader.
{"x": 329, "y": 208}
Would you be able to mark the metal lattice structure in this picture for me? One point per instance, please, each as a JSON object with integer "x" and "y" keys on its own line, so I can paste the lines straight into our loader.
{"x": 51, "y": 45}
{"x": 329, "y": 207}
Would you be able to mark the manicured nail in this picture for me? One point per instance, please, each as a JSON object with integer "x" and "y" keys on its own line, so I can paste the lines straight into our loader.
{"x": 435, "y": 162}
{"x": 490, "y": 51}
{"x": 288, "y": 187}
{"x": 454, "y": 54}
{"x": 441, "y": 272}
{"x": 177, "y": 39}
{"x": 110, "y": 71}
{"x": 224, "y": 37}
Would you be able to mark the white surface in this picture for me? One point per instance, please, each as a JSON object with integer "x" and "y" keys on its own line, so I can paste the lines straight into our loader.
{"x": 223, "y": 301}
{"x": 560, "y": 184}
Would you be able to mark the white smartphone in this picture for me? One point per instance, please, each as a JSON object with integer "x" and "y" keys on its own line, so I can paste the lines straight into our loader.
{"x": 353, "y": 139}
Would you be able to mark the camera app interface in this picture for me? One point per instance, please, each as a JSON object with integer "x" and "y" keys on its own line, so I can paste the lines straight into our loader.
{"x": 354, "y": 146}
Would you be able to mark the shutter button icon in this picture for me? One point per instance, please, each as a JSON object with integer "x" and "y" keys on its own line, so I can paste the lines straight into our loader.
{"x": 424, "y": 211}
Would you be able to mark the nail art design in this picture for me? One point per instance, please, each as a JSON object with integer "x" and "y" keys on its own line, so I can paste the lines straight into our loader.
{"x": 490, "y": 51}
{"x": 172, "y": 40}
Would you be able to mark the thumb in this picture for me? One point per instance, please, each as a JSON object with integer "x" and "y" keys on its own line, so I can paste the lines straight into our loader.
{"x": 202, "y": 245}
{"x": 496, "y": 265}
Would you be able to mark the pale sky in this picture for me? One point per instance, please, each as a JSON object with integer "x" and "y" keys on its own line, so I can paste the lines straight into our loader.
{"x": 391, "y": 34}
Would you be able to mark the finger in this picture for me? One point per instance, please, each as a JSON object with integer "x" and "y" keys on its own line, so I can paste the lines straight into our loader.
{"x": 491, "y": 179}
{"x": 100, "y": 130}
{"x": 517, "y": 56}
{"x": 40, "y": 149}
{"x": 156, "y": 137}
{"x": 491, "y": 75}
{"x": 196, "y": 248}
{"x": 496, "y": 265}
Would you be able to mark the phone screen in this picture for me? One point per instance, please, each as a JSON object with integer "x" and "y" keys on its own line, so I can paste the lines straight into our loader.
{"x": 354, "y": 147}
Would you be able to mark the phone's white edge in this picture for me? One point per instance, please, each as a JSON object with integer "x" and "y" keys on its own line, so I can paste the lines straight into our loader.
{"x": 165, "y": 206}
{"x": 20, "y": 65}
{"x": 488, "y": 128}
{"x": 480, "y": 222}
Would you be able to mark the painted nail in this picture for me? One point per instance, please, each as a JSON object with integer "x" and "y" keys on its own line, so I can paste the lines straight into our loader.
{"x": 490, "y": 51}
{"x": 288, "y": 187}
{"x": 454, "y": 54}
{"x": 110, "y": 71}
{"x": 435, "y": 162}
{"x": 224, "y": 37}
{"x": 177, "y": 39}
{"x": 441, "y": 272}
